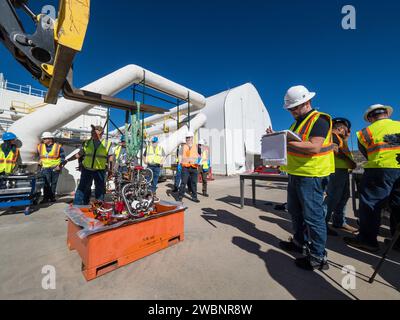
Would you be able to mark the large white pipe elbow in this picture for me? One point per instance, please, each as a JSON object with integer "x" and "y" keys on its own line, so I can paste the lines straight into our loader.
{"x": 170, "y": 143}
{"x": 53, "y": 117}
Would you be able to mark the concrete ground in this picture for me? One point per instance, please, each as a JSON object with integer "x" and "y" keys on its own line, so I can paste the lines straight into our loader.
{"x": 228, "y": 253}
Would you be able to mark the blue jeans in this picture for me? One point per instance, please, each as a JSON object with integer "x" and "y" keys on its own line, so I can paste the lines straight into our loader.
{"x": 338, "y": 193}
{"x": 50, "y": 183}
{"x": 378, "y": 187}
{"x": 84, "y": 191}
{"x": 156, "y": 174}
{"x": 306, "y": 206}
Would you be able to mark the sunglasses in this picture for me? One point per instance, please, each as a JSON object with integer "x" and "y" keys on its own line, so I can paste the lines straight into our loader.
{"x": 296, "y": 108}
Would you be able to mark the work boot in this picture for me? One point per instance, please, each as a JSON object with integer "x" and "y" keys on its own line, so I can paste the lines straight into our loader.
{"x": 310, "y": 264}
{"x": 44, "y": 201}
{"x": 205, "y": 194}
{"x": 356, "y": 243}
{"x": 195, "y": 200}
{"x": 348, "y": 228}
{"x": 53, "y": 200}
{"x": 290, "y": 246}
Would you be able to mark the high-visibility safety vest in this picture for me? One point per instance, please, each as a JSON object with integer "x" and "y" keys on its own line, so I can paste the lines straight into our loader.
{"x": 190, "y": 156}
{"x": 118, "y": 152}
{"x": 7, "y": 164}
{"x": 380, "y": 153}
{"x": 154, "y": 156}
{"x": 95, "y": 159}
{"x": 344, "y": 155}
{"x": 204, "y": 162}
{"x": 311, "y": 165}
{"x": 49, "y": 159}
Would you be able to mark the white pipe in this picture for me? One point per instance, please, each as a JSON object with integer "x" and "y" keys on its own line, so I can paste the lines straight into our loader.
{"x": 172, "y": 125}
{"x": 173, "y": 111}
{"x": 53, "y": 117}
{"x": 171, "y": 142}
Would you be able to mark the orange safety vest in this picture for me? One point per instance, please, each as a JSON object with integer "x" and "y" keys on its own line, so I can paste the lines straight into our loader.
{"x": 51, "y": 159}
{"x": 344, "y": 155}
{"x": 190, "y": 156}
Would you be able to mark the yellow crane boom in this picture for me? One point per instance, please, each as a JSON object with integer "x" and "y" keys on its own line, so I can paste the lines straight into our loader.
{"x": 48, "y": 54}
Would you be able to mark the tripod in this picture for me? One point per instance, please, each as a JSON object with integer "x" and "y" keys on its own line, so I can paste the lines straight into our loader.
{"x": 395, "y": 238}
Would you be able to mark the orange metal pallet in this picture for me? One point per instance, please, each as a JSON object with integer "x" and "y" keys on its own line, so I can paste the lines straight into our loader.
{"x": 108, "y": 250}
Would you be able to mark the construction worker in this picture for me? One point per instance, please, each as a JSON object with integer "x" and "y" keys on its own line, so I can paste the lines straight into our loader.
{"x": 381, "y": 179}
{"x": 95, "y": 158}
{"x": 10, "y": 157}
{"x": 204, "y": 164}
{"x": 178, "y": 174}
{"x": 51, "y": 156}
{"x": 154, "y": 157}
{"x": 310, "y": 163}
{"x": 188, "y": 158}
{"x": 338, "y": 192}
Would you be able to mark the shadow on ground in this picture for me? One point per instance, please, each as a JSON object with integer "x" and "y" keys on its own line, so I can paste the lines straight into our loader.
{"x": 300, "y": 284}
{"x": 389, "y": 271}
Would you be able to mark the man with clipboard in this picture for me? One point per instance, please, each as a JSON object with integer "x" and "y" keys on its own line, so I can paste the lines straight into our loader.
{"x": 310, "y": 163}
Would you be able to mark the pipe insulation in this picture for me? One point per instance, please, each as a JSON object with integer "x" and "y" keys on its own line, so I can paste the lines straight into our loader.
{"x": 53, "y": 117}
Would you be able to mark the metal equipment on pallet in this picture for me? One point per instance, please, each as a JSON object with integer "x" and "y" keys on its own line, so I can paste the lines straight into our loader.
{"x": 20, "y": 190}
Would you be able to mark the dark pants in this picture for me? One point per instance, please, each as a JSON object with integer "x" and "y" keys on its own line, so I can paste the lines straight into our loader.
{"x": 378, "y": 188}
{"x": 187, "y": 173}
{"x": 395, "y": 209}
{"x": 50, "y": 183}
{"x": 83, "y": 193}
{"x": 204, "y": 179}
{"x": 156, "y": 174}
{"x": 338, "y": 193}
{"x": 306, "y": 206}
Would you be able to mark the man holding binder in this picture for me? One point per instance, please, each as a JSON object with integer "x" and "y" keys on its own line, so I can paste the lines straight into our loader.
{"x": 310, "y": 163}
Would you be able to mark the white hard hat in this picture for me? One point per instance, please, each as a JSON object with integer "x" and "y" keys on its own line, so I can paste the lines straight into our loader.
{"x": 190, "y": 134}
{"x": 202, "y": 142}
{"x": 375, "y": 107}
{"x": 296, "y": 96}
{"x": 47, "y": 135}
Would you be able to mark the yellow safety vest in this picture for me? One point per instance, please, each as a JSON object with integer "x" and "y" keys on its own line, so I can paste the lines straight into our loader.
{"x": 190, "y": 156}
{"x": 51, "y": 159}
{"x": 341, "y": 161}
{"x": 118, "y": 152}
{"x": 7, "y": 164}
{"x": 308, "y": 165}
{"x": 380, "y": 153}
{"x": 154, "y": 156}
{"x": 204, "y": 159}
{"x": 95, "y": 159}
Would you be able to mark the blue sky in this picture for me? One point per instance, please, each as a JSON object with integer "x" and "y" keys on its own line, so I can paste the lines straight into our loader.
{"x": 210, "y": 46}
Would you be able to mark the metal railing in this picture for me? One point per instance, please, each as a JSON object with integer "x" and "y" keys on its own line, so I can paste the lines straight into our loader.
{"x": 27, "y": 89}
